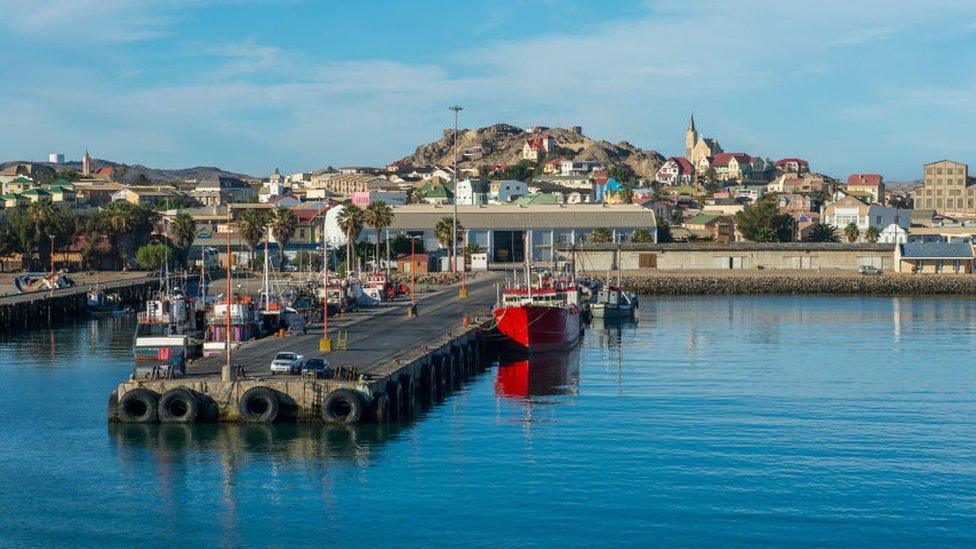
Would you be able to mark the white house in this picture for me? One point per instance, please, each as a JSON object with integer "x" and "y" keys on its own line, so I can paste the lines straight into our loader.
{"x": 506, "y": 190}
{"x": 676, "y": 171}
{"x": 472, "y": 192}
{"x": 893, "y": 234}
{"x": 576, "y": 167}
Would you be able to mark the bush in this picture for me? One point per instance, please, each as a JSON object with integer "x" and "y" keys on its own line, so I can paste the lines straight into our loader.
{"x": 153, "y": 256}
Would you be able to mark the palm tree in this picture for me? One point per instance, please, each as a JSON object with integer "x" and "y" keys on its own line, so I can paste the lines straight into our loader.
{"x": 252, "y": 227}
{"x": 283, "y": 223}
{"x": 872, "y": 234}
{"x": 350, "y": 220}
{"x": 443, "y": 231}
{"x": 182, "y": 232}
{"x": 821, "y": 232}
{"x": 642, "y": 236}
{"x": 379, "y": 216}
{"x": 851, "y": 232}
{"x": 42, "y": 216}
{"x": 601, "y": 234}
{"x": 117, "y": 222}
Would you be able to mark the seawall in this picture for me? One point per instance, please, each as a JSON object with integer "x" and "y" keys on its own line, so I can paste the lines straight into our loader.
{"x": 722, "y": 282}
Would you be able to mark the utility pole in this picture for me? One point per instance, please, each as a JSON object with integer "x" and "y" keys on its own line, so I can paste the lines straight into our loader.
{"x": 325, "y": 344}
{"x": 225, "y": 371}
{"x": 456, "y": 109}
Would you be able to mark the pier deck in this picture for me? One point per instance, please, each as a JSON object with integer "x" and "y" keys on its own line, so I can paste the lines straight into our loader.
{"x": 400, "y": 362}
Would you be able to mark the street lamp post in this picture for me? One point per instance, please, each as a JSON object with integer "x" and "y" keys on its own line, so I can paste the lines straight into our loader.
{"x": 52, "y": 254}
{"x": 456, "y": 109}
{"x": 412, "y": 310}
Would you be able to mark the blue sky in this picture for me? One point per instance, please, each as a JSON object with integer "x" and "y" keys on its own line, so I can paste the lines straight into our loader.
{"x": 875, "y": 86}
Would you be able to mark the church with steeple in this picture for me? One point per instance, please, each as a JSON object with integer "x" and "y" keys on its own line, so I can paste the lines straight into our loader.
{"x": 698, "y": 148}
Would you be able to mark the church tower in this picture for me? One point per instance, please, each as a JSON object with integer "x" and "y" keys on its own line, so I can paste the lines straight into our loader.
{"x": 691, "y": 137}
{"x": 86, "y": 164}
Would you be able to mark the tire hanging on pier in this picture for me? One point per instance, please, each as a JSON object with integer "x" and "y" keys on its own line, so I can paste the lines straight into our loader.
{"x": 343, "y": 406}
{"x": 179, "y": 406}
{"x": 259, "y": 405}
{"x": 139, "y": 406}
{"x": 381, "y": 408}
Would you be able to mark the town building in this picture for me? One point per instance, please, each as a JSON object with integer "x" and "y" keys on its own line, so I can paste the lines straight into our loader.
{"x": 736, "y": 166}
{"x": 86, "y": 164}
{"x": 676, "y": 170}
{"x": 579, "y": 167}
{"x": 472, "y": 192}
{"x": 792, "y": 165}
{"x": 223, "y": 190}
{"x": 849, "y": 210}
{"x": 56, "y": 158}
{"x": 699, "y": 148}
{"x": 867, "y": 186}
{"x": 507, "y": 190}
{"x": 537, "y": 148}
{"x": 934, "y": 257}
{"x": 503, "y": 229}
{"x": 38, "y": 173}
{"x": 948, "y": 189}
{"x": 390, "y": 198}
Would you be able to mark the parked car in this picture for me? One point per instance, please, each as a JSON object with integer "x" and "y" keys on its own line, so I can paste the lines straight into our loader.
{"x": 869, "y": 270}
{"x": 287, "y": 363}
{"x": 316, "y": 367}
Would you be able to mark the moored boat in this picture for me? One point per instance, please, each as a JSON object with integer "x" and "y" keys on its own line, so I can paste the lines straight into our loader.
{"x": 100, "y": 303}
{"x": 544, "y": 318}
{"x": 613, "y": 302}
{"x": 166, "y": 336}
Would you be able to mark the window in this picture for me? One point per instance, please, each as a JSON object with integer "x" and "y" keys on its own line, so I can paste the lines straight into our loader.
{"x": 938, "y": 171}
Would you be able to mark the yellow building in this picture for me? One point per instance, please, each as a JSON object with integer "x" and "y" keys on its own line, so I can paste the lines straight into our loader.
{"x": 947, "y": 189}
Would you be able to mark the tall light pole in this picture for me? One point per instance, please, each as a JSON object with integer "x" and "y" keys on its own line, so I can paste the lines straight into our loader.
{"x": 456, "y": 109}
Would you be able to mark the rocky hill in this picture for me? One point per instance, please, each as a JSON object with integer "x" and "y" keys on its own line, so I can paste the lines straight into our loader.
{"x": 136, "y": 173}
{"x": 501, "y": 144}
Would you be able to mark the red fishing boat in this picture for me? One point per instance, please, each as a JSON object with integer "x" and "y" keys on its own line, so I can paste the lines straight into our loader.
{"x": 541, "y": 318}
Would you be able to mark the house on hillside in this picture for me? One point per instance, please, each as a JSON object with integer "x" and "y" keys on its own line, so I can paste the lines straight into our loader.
{"x": 796, "y": 166}
{"x": 537, "y": 148}
{"x": 676, "y": 171}
{"x": 472, "y": 192}
{"x": 506, "y": 190}
{"x": 869, "y": 185}
{"x": 227, "y": 189}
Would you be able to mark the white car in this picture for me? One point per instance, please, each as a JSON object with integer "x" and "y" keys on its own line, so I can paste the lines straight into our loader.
{"x": 287, "y": 363}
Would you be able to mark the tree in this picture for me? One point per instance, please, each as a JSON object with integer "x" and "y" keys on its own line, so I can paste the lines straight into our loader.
{"x": 443, "y": 231}
{"x": 764, "y": 223}
{"x": 128, "y": 226}
{"x": 379, "y": 216}
{"x": 711, "y": 179}
{"x": 182, "y": 231}
{"x": 627, "y": 195}
{"x": 520, "y": 172}
{"x": 400, "y": 244}
{"x": 252, "y": 226}
{"x": 601, "y": 234}
{"x": 642, "y": 236}
{"x": 152, "y": 257}
{"x": 351, "y": 221}
{"x": 872, "y": 234}
{"x": 620, "y": 173}
{"x": 851, "y": 232}
{"x": 283, "y": 223}
{"x": 416, "y": 195}
{"x": 821, "y": 232}
{"x": 664, "y": 231}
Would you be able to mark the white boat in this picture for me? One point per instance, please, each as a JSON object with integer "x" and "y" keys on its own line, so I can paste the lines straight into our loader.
{"x": 166, "y": 336}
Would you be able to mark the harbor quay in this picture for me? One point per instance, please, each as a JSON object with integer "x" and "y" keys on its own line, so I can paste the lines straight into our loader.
{"x": 46, "y": 309}
{"x": 384, "y": 364}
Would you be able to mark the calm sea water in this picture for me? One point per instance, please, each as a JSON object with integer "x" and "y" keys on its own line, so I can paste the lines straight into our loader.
{"x": 714, "y": 420}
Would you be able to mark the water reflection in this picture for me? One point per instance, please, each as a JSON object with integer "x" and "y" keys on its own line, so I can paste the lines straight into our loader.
{"x": 539, "y": 375}
{"x": 175, "y": 442}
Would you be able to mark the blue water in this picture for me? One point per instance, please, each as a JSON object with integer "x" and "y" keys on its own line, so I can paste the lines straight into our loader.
{"x": 714, "y": 420}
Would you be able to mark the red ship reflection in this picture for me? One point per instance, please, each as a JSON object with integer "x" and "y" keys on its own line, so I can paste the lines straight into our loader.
{"x": 539, "y": 375}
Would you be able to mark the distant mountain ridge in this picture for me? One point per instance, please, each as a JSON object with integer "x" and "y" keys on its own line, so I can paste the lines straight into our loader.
{"x": 137, "y": 173}
{"x": 502, "y": 145}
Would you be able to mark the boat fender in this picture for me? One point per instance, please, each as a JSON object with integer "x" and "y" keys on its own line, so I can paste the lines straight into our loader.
{"x": 178, "y": 405}
{"x": 259, "y": 405}
{"x": 343, "y": 406}
{"x": 139, "y": 406}
{"x": 381, "y": 408}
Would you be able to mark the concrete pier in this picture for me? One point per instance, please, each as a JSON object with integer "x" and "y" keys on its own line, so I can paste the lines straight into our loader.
{"x": 22, "y": 312}
{"x": 388, "y": 365}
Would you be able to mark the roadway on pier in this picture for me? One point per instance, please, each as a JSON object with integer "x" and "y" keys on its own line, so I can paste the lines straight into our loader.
{"x": 376, "y": 336}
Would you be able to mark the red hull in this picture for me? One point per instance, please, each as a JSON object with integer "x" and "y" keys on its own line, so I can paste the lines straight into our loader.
{"x": 536, "y": 329}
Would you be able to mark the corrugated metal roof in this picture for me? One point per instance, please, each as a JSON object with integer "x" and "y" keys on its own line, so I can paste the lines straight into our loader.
{"x": 511, "y": 216}
{"x": 937, "y": 250}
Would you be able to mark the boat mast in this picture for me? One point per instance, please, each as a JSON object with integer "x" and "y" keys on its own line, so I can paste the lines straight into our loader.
{"x": 225, "y": 372}
{"x": 266, "y": 296}
{"x": 528, "y": 265}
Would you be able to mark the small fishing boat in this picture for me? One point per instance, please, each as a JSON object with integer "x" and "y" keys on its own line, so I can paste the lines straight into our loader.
{"x": 166, "y": 336}
{"x": 101, "y": 303}
{"x": 245, "y": 324}
{"x": 613, "y": 302}
{"x": 379, "y": 288}
{"x": 41, "y": 282}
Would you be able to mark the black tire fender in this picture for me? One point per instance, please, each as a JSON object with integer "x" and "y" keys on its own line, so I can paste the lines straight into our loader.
{"x": 139, "y": 406}
{"x": 343, "y": 406}
{"x": 259, "y": 405}
{"x": 178, "y": 405}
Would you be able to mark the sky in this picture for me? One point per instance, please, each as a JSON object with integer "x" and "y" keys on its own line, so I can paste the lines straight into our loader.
{"x": 248, "y": 85}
